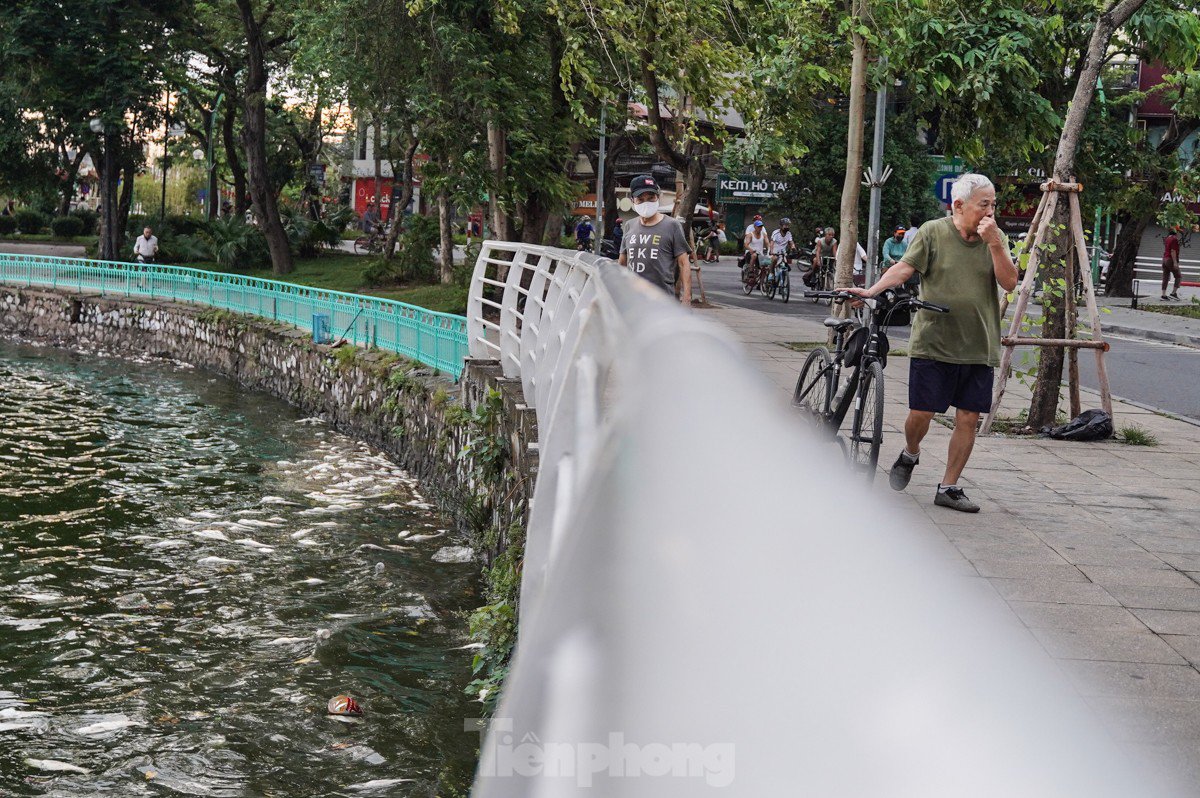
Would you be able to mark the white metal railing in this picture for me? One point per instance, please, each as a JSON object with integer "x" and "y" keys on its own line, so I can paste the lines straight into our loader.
{"x": 709, "y": 601}
{"x": 1149, "y": 268}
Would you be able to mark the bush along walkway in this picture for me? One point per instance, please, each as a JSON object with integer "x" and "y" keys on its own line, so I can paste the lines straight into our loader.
{"x": 1093, "y": 547}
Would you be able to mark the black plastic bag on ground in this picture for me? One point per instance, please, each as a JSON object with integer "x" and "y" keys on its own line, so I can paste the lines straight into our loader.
{"x": 1090, "y": 425}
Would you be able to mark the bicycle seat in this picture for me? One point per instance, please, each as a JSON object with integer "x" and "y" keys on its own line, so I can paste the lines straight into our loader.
{"x": 838, "y": 324}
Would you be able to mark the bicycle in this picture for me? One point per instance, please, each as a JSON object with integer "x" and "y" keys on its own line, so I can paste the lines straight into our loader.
{"x": 370, "y": 244}
{"x": 754, "y": 275}
{"x": 820, "y": 279}
{"x": 825, "y": 400}
{"x": 778, "y": 278}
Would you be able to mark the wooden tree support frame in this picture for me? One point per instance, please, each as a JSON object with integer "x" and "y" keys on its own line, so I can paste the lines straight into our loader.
{"x": 1052, "y": 194}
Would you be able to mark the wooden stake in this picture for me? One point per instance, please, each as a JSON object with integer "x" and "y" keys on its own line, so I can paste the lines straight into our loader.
{"x": 1073, "y": 351}
{"x": 1090, "y": 297}
{"x": 1033, "y": 225}
{"x": 1045, "y": 212}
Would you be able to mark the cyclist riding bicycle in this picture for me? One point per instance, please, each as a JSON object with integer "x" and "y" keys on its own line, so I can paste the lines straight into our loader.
{"x": 825, "y": 247}
{"x": 756, "y": 244}
{"x": 583, "y": 234}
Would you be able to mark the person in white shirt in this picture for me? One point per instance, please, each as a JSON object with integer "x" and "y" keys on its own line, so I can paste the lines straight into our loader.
{"x": 911, "y": 233}
{"x": 781, "y": 240}
{"x": 756, "y": 244}
{"x": 750, "y": 227}
{"x": 145, "y": 246}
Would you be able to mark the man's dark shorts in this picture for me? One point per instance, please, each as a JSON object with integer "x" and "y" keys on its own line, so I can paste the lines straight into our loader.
{"x": 934, "y": 386}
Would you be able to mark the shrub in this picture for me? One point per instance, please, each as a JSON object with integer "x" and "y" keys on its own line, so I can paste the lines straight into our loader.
{"x": 66, "y": 226}
{"x": 1134, "y": 435}
{"x": 89, "y": 219}
{"x": 185, "y": 225}
{"x": 413, "y": 261}
{"x": 237, "y": 244}
{"x": 183, "y": 249}
{"x": 30, "y": 222}
{"x": 8, "y": 225}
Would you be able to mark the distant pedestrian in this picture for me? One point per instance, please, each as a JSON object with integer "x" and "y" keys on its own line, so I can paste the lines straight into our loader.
{"x": 618, "y": 233}
{"x": 583, "y": 234}
{"x": 145, "y": 246}
{"x": 914, "y": 223}
{"x": 1170, "y": 264}
{"x": 712, "y": 242}
{"x": 961, "y": 259}
{"x": 893, "y": 250}
{"x": 655, "y": 247}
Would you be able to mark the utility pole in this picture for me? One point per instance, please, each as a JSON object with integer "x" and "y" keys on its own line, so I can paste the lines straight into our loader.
{"x": 211, "y": 184}
{"x": 876, "y": 177}
{"x": 600, "y": 181}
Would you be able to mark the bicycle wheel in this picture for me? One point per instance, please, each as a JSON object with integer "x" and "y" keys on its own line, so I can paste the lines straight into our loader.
{"x": 827, "y": 285}
{"x": 866, "y": 430}
{"x": 362, "y": 245}
{"x": 785, "y": 287}
{"x": 749, "y": 279}
{"x": 814, "y": 387}
{"x": 769, "y": 286}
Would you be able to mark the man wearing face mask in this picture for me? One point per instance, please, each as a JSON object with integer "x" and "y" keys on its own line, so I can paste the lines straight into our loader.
{"x": 655, "y": 247}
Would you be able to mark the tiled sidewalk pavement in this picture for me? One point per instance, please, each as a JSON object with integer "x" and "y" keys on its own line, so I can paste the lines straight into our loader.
{"x": 1093, "y": 546}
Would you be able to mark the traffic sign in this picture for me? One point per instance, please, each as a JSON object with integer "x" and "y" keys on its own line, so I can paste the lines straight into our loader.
{"x": 942, "y": 186}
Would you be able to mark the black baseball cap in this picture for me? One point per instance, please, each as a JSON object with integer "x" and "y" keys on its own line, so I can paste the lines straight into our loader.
{"x": 643, "y": 184}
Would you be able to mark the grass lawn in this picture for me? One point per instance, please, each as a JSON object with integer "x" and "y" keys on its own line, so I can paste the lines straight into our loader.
{"x": 344, "y": 272}
{"x": 1189, "y": 310}
{"x": 41, "y": 238}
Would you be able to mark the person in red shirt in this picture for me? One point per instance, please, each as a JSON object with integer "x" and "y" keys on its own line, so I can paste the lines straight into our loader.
{"x": 1170, "y": 264}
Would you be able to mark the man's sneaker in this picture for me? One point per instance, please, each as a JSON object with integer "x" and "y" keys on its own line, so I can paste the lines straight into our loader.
{"x": 1164, "y": 298}
{"x": 901, "y": 471}
{"x": 955, "y": 499}
{"x": 1175, "y": 295}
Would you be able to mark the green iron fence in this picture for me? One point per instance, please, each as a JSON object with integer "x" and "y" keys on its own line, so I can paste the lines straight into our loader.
{"x": 435, "y": 339}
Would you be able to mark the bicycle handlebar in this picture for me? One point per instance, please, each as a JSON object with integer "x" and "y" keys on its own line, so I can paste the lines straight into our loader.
{"x": 920, "y": 304}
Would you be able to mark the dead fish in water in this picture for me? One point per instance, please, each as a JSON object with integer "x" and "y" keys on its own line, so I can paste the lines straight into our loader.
{"x": 108, "y": 725}
{"x": 376, "y": 784}
{"x": 344, "y": 705}
{"x": 287, "y": 641}
{"x": 55, "y": 765}
{"x": 211, "y": 534}
{"x": 216, "y": 561}
{"x": 167, "y": 544}
{"x": 419, "y": 538}
{"x": 277, "y": 500}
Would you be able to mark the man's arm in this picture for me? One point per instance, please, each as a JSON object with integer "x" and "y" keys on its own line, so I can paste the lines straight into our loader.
{"x": 892, "y": 278}
{"x": 685, "y": 279}
{"x": 1002, "y": 264}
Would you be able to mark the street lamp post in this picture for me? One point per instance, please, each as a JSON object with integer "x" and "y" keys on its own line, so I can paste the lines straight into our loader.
{"x": 210, "y": 201}
{"x": 600, "y": 182}
{"x": 166, "y": 164}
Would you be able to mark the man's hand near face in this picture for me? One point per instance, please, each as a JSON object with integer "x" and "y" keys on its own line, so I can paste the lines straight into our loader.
{"x": 988, "y": 230}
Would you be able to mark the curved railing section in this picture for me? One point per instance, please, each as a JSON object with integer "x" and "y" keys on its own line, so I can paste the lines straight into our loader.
{"x": 709, "y": 599}
{"x": 435, "y": 339}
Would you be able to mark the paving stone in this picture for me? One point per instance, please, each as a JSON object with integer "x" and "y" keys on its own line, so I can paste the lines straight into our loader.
{"x": 1100, "y": 555}
{"x": 1137, "y": 679}
{"x": 1148, "y": 577}
{"x": 1170, "y": 622}
{"x": 1108, "y": 646}
{"x": 1009, "y": 569}
{"x": 1157, "y": 598}
{"x": 1188, "y": 646}
{"x": 1040, "y": 614}
{"x": 1052, "y": 591}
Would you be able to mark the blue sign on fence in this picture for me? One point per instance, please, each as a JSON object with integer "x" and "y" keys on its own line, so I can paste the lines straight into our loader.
{"x": 941, "y": 186}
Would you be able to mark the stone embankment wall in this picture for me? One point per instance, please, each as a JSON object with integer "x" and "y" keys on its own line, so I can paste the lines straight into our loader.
{"x": 470, "y": 443}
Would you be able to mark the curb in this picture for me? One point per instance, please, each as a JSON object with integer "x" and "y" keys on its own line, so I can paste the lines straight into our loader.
{"x": 1182, "y": 339}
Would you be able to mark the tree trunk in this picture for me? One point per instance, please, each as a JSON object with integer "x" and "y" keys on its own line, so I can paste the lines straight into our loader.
{"x": 125, "y": 200}
{"x": 693, "y": 186}
{"x": 110, "y": 237}
{"x": 497, "y": 154}
{"x": 446, "y": 253}
{"x": 262, "y": 192}
{"x": 241, "y": 190}
{"x": 848, "y": 237}
{"x": 68, "y": 190}
{"x": 552, "y": 230}
{"x": 397, "y": 213}
{"x": 1123, "y": 262}
{"x": 1044, "y": 405}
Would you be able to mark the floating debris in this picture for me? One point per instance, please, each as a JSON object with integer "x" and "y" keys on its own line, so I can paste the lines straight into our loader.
{"x": 344, "y": 705}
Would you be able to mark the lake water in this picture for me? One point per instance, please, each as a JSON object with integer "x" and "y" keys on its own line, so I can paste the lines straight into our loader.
{"x": 189, "y": 571}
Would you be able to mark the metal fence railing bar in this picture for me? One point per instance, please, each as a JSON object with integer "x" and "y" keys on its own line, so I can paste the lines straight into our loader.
{"x": 435, "y": 339}
{"x": 707, "y": 601}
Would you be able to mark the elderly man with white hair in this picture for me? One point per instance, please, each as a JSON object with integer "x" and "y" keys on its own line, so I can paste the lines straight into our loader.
{"x": 961, "y": 259}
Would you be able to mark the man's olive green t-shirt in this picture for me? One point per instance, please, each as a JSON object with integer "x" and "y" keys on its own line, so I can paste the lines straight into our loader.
{"x": 961, "y": 276}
